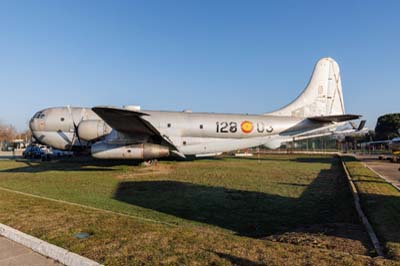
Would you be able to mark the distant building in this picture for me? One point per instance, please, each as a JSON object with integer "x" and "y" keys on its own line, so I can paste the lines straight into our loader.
{"x": 16, "y": 144}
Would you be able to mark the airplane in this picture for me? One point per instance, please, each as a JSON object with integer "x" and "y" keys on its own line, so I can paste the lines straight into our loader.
{"x": 131, "y": 133}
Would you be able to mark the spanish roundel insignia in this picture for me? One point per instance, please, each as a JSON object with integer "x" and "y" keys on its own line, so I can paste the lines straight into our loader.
{"x": 246, "y": 126}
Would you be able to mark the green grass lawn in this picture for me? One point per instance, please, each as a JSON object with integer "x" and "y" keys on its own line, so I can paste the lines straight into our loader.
{"x": 279, "y": 210}
{"x": 381, "y": 203}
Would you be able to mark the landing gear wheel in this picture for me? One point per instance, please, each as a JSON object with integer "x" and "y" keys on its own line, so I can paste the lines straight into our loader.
{"x": 150, "y": 162}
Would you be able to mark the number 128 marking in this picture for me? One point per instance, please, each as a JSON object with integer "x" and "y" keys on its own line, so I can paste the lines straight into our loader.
{"x": 225, "y": 127}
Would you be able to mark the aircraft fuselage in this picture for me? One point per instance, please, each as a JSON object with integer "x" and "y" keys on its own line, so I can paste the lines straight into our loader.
{"x": 192, "y": 133}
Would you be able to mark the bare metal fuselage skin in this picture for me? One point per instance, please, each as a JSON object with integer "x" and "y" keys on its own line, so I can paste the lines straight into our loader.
{"x": 191, "y": 133}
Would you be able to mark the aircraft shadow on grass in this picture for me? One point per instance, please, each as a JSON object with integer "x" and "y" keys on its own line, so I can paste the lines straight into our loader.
{"x": 249, "y": 213}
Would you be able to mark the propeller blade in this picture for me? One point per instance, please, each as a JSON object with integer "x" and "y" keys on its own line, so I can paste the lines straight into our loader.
{"x": 83, "y": 111}
{"x": 76, "y": 135}
{"x": 361, "y": 125}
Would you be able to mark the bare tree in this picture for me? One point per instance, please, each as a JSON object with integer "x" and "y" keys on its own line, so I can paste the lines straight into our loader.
{"x": 25, "y": 135}
{"x": 7, "y": 132}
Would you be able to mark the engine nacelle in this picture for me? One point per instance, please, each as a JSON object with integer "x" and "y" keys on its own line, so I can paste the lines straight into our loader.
{"x": 89, "y": 130}
{"x": 145, "y": 151}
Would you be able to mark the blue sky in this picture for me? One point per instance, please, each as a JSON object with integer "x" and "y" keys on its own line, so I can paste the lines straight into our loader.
{"x": 220, "y": 56}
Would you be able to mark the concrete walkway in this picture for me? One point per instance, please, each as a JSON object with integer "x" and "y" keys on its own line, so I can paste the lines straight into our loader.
{"x": 13, "y": 254}
{"x": 389, "y": 171}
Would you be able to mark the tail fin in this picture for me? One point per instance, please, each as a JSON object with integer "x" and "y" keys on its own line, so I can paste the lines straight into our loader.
{"x": 323, "y": 95}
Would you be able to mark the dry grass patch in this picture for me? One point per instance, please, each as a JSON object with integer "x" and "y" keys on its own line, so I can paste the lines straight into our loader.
{"x": 147, "y": 171}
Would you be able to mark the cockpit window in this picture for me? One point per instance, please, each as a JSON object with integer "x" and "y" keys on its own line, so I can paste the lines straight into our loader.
{"x": 37, "y": 115}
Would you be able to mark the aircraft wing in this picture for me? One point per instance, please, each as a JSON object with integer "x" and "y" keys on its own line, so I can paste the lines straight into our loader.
{"x": 131, "y": 122}
{"x": 126, "y": 121}
{"x": 334, "y": 118}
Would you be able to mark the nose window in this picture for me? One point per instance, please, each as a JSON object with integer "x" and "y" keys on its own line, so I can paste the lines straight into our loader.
{"x": 39, "y": 115}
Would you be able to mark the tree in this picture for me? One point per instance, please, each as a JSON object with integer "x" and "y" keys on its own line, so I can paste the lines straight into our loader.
{"x": 388, "y": 126}
{"x": 25, "y": 135}
{"x": 7, "y": 132}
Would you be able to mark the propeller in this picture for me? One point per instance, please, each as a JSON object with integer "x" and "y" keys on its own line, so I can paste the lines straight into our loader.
{"x": 76, "y": 135}
{"x": 360, "y": 126}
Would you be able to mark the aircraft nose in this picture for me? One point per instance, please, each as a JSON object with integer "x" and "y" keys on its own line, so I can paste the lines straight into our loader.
{"x": 32, "y": 124}
{"x": 37, "y": 122}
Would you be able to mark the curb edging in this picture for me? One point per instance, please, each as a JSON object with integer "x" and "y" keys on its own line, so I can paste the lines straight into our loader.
{"x": 363, "y": 217}
{"x": 46, "y": 249}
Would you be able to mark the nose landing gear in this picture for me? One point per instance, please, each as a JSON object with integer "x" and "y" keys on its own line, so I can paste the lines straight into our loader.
{"x": 153, "y": 162}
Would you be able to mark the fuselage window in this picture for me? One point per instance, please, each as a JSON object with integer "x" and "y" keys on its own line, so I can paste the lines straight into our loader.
{"x": 168, "y": 125}
{"x": 201, "y": 126}
{"x": 62, "y": 119}
{"x": 184, "y": 142}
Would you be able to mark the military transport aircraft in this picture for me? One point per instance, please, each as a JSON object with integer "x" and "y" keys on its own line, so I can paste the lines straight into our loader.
{"x": 132, "y": 133}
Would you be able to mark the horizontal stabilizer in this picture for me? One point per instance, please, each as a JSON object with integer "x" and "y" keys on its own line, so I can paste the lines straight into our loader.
{"x": 334, "y": 118}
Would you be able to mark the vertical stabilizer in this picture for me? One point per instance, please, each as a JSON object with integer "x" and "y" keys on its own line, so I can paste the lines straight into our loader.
{"x": 323, "y": 95}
